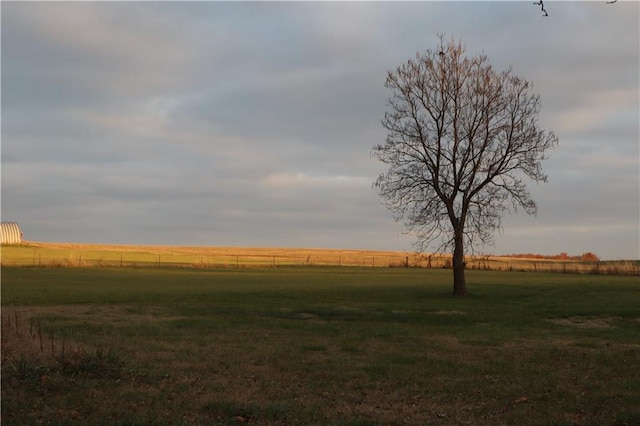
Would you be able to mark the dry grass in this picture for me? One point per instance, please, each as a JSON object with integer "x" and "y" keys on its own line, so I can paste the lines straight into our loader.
{"x": 91, "y": 255}
{"x": 70, "y": 255}
{"x": 586, "y": 322}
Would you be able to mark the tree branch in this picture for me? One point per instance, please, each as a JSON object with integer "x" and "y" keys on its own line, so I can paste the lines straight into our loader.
{"x": 541, "y": 4}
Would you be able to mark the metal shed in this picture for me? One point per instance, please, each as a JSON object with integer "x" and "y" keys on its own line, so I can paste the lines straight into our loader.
{"x": 10, "y": 233}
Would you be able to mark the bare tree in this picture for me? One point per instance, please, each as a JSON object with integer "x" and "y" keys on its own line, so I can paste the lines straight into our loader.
{"x": 544, "y": 11}
{"x": 461, "y": 138}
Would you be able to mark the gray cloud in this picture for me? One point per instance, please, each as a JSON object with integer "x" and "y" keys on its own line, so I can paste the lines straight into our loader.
{"x": 251, "y": 123}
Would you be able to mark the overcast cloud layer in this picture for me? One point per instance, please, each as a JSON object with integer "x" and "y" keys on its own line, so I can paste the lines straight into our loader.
{"x": 251, "y": 124}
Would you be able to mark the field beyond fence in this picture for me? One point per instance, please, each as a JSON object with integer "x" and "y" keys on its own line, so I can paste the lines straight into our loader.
{"x": 100, "y": 255}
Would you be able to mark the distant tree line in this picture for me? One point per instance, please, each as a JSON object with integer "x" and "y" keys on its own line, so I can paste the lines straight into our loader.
{"x": 584, "y": 257}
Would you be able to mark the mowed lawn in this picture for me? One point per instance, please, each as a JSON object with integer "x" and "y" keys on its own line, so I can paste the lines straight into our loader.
{"x": 317, "y": 346}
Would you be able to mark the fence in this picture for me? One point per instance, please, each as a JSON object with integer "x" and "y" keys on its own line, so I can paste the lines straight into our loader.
{"x": 223, "y": 261}
{"x": 226, "y": 258}
{"x": 619, "y": 267}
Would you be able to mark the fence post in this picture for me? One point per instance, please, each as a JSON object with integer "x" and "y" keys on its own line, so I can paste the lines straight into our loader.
{"x": 40, "y": 336}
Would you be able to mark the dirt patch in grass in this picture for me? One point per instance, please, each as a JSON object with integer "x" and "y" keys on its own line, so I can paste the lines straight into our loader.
{"x": 121, "y": 314}
{"x": 443, "y": 312}
{"x": 585, "y": 322}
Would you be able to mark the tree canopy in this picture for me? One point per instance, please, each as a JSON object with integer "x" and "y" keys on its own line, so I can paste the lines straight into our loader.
{"x": 461, "y": 139}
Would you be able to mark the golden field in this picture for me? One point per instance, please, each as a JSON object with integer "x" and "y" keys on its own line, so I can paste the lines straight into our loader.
{"x": 46, "y": 254}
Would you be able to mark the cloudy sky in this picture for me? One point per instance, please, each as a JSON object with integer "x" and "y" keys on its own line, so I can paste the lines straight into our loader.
{"x": 251, "y": 124}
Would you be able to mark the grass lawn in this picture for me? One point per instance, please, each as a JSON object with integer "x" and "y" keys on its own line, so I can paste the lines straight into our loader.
{"x": 351, "y": 346}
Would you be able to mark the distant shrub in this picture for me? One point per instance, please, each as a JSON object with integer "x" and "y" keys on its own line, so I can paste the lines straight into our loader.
{"x": 589, "y": 257}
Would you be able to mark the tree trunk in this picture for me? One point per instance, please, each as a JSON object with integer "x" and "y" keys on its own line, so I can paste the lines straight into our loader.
{"x": 459, "y": 282}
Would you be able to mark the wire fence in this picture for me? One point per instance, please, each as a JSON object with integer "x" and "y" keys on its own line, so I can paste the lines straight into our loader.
{"x": 217, "y": 261}
{"x": 82, "y": 258}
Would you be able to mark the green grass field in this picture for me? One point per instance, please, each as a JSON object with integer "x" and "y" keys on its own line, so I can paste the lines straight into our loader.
{"x": 351, "y": 346}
